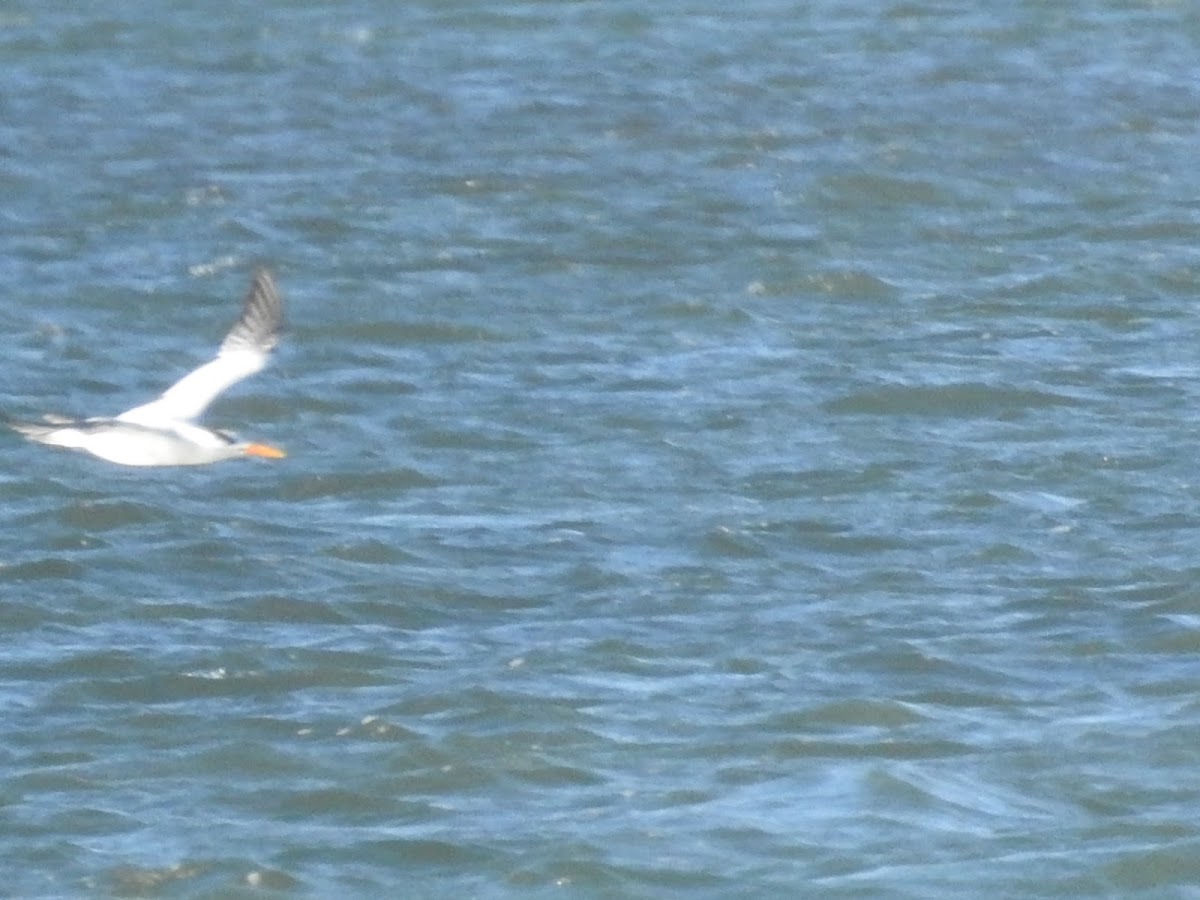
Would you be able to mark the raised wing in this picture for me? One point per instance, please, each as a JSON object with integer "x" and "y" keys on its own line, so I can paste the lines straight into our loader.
{"x": 243, "y": 352}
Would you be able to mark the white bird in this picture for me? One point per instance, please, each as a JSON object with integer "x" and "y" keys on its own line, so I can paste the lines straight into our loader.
{"x": 164, "y": 432}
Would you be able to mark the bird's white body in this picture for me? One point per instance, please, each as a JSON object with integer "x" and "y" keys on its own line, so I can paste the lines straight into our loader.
{"x": 127, "y": 444}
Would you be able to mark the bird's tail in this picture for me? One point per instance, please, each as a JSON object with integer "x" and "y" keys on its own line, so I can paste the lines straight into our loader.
{"x": 36, "y": 431}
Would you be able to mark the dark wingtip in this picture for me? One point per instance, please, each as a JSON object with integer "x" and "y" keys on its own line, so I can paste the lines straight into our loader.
{"x": 261, "y": 320}
{"x": 262, "y": 281}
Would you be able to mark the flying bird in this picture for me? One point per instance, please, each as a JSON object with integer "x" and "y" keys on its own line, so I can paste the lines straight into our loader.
{"x": 164, "y": 432}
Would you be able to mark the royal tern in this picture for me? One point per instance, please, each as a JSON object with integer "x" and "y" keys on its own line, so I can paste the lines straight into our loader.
{"x": 163, "y": 432}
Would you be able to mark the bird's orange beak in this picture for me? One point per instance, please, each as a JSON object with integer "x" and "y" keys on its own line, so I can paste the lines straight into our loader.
{"x": 265, "y": 451}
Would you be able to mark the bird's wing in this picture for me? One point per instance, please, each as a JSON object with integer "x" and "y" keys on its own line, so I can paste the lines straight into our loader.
{"x": 243, "y": 352}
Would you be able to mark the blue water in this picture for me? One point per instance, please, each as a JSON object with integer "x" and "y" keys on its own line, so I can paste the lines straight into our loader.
{"x": 735, "y": 450}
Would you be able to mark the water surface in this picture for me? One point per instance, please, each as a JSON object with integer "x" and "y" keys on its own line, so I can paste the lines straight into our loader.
{"x": 735, "y": 450}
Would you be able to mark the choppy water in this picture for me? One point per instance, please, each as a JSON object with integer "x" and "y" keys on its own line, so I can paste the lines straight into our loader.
{"x": 736, "y": 450}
